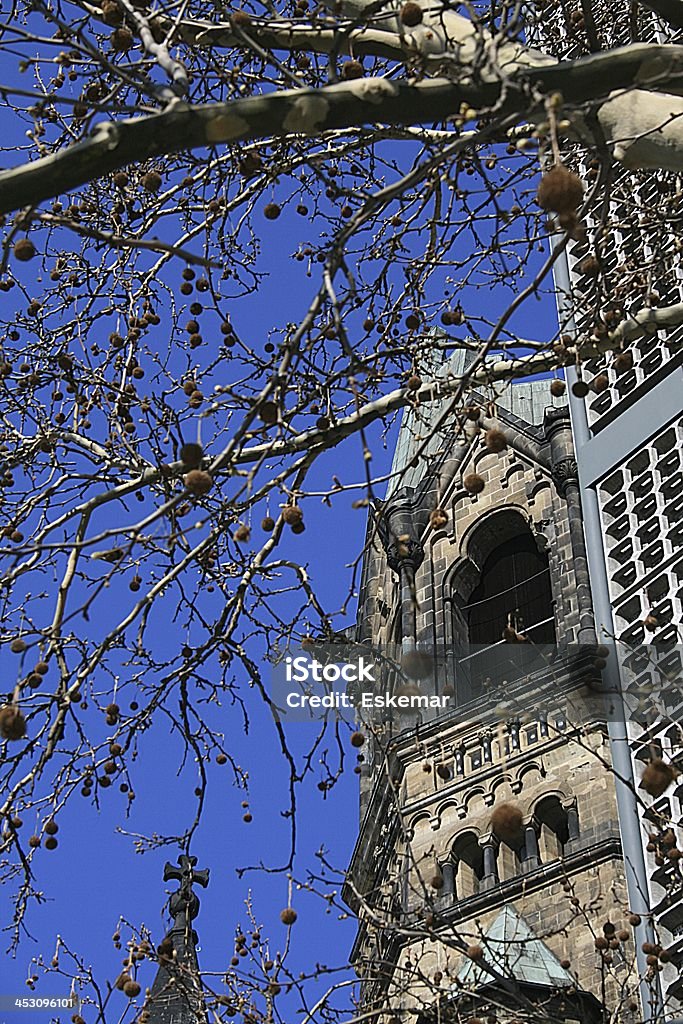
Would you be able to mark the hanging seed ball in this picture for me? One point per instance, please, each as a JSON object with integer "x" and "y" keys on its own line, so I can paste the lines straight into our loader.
{"x": 242, "y": 533}
{"x": 352, "y": 69}
{"x": 221, "y": 758}
{"x": 474, "y": 952}
{"x": 151, "y": 182}
{"x": 557, "y": 388}
{"x": 247, "y": 817}
{"x": 51, "y": 827}
{"x": 590, "y": 266}
{"x": 42, "y": 668}
{"x": 288, "y": 916}
{"x": 411, "y": 14}
{"x": 495, "y": 440}
{"x": 271, "y": 211}
{"x": 473, "y": 483}
{"x": 623, "y": 935}
{"x": 560, "y": 190}
{"x": 472, "y": 412}
{"x": 580, "y": 389}
{"x": 240, "y": 18}
{"x": 268, "y": 523}
{"x": 443, "y": 771}
{"x": 12, "y": 723}
{"x": 24, "y": 250}
{"x": 438, "y": 518}
{"x": 198, "y": 482}
{"x": 120, "y": 179}
{"x": 623, "y": 362}
{"x": 121, "y": 40}
{"x": 634, "y": 920}
{"x": 651, "y": 623}
{"x": 18, "y": 646}
{"x": 565, "y": 964}
{"x": 417, "y": 664}
{"x": 51, "y": 843}
{"x": 657, "y": 777}
{"x": 412, "y": 321}
{"x": 437, "y": 880}
{"x": 292, "y": 515}
{"x": 414, "y": 383}
{"x": 34, "y": 841}
{"x": 268, "y": 411}
{"x": 357, "y": 739}
{"x": 608, "y": 929}
{"x": 191, "y": 455}
{"x": 506, "y": 821}
{"x": 601, "y": 942}
{"x": 600, "y": 383}
{"x": 131, "y": 989}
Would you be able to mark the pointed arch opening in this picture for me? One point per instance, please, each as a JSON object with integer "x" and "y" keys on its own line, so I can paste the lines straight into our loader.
{"x": 500, "y": 591}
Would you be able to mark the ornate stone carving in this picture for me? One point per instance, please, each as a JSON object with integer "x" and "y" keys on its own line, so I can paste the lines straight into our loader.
{"x": 565, "y": 472}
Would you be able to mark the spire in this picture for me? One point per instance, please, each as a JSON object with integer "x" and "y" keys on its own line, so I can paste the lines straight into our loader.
{"x": 175, "y": 997}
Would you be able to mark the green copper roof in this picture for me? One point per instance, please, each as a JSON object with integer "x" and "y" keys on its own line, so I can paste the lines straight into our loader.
{"x": 526, "y": 399}
{"x": 512, "y": 949}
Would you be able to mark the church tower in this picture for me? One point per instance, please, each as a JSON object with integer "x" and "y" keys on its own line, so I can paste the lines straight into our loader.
{"x": 488, "y": 873}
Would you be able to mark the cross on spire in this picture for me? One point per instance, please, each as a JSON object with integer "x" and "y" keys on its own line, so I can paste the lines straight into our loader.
{"x": 184, "y": 904}
{"x": 185, "y": 873}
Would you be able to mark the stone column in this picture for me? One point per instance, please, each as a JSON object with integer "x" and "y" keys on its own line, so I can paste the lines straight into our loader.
{"x": 486, "y": 739}
{"x": 448, "y": 872}
{"x": 572, "y": 813}
{"x": 531, "y": 858}
{"x": 489, "y": 846}
{"x": 513, "y": 727}
{"x": 565, "y": 474}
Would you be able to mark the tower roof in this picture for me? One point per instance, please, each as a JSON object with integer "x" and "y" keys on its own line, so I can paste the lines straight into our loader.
{"x": 526, "y": 400}
{"x": 512, "y": 949}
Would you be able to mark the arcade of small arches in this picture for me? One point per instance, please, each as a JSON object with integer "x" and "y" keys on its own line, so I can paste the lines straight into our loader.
{"x": 478, "y": 861}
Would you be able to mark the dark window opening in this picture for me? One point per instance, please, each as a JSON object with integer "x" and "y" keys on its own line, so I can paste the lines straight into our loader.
{"x": 513, "y": 590}
{"x": 468, "y": 860}
{"x": 514, "y": 587}
{"x": 553, "y": 821}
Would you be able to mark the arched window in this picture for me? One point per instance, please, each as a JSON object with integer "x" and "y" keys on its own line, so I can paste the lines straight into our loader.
{"x": 553, "y": 823}
{"x": 468, "y": 865}
{"x": 514, "y": 585}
